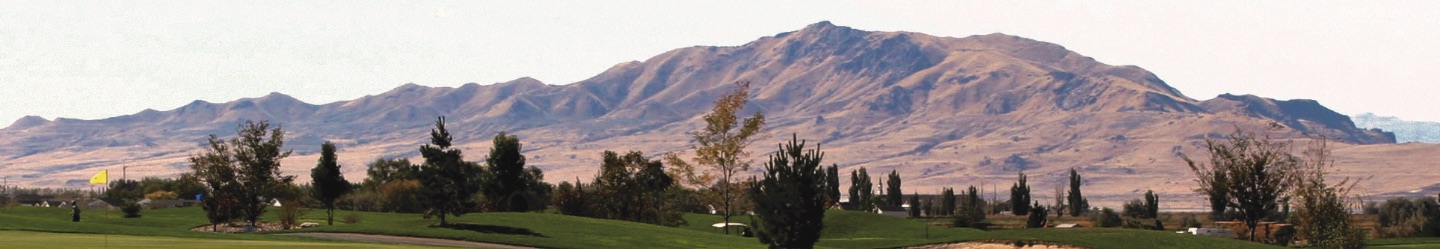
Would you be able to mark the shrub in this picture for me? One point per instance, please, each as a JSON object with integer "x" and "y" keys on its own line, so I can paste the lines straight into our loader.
{"x": 351, "y": 218}
{"x": 161, "y": 195}
{"x": 1284, "y": 235}
{"x": 131, "y": 208}
{"x": 1190, "y": 221}
{"x": 1107, "y": 218}
{"x": 290, "y": 213}
{"x": 1036, "y": 217}
{"x": 1134, "y": 209}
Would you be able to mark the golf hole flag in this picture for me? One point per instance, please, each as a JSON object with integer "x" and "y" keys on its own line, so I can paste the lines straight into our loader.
{"x": 99, "y": 178}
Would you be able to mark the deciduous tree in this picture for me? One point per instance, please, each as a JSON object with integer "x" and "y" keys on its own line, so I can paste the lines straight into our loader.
{"x": 894, "y": 196}
{"x": 241, "y": 176}
{"x": 506, "y": 190}
{"x": 1253, "y": 171}
{"x": 1077, "y": 202}
{"x": 720, "y": 148}
{"x": 860, "y": 189}
{"x": 1322, "y": 211}
{"x": 1019, "y": 196}
{"x": 329, "y": 184}
{"x": 832, "y": 184}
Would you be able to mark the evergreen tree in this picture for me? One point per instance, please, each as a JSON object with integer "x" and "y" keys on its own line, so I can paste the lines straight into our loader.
{"x": 972, "y": 209}
{"x": 1078, "y": 204}
{"x": 1019, "y": 195}
{"x": 894, "y": 197}
{"x": 448, "y": 180}
{"x": 1037, "y": 216}
{"x": 915, "y": 205}
{"x": 789, "y": 200}
{"x": 329, "y": 184}
{"x": 505, "y": 190}
{"x": 860, "y": 189}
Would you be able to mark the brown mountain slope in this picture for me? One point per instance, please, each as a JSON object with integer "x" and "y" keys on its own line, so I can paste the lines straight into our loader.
{"x": 942, "y": 111}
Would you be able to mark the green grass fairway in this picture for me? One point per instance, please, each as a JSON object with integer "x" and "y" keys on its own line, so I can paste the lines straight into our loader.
{"x": 527, "y": 229}
{"x": 22, "y": 239}
{"x": 850, "y": 229}
{"x": 1404, "y": 243}
{"x": 843, "y": 229}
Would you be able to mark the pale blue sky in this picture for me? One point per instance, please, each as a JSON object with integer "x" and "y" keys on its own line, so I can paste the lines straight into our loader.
{"x": 90, "y": 60}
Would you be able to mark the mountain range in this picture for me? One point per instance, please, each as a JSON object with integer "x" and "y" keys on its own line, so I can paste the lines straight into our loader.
{"x": 941, "y": 111}
{"x": 1405, "y": 131}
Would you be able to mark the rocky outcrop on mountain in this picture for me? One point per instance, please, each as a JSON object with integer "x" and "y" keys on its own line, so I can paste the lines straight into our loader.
{"x": 1300, "y": 114}
{"x": 942, "y": 111}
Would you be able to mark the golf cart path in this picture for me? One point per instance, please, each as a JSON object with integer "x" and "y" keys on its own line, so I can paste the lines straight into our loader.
{"x": 405, "y": 240}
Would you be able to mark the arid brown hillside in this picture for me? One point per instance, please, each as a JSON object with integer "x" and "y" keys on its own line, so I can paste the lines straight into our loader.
{"x": 942, "y": 111}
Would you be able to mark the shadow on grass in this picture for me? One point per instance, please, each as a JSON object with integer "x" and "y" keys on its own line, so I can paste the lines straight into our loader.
{"x": 494, "y": 229}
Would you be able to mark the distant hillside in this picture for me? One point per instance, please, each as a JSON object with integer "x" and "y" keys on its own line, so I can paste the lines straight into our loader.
{"x": 942, "y": 111}
{"x": 1405, "y": 131}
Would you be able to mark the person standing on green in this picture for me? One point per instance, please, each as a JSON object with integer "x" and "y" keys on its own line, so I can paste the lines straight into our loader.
{"x": 75, "y": 211}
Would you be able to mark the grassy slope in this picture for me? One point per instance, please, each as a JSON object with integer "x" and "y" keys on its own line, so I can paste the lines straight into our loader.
{"x": 24, "y": 239}
{"x": 531, "y": 229}
{"x": 1404, "y": 243}
{"x": 848, "y": 229}
{"x": 844, "y": 229}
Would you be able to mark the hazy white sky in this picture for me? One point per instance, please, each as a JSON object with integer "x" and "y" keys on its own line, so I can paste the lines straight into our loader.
{"x": 91, "y": 60}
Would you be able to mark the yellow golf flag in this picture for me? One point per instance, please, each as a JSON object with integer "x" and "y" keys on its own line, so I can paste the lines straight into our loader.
{"x": 99, "y": 178}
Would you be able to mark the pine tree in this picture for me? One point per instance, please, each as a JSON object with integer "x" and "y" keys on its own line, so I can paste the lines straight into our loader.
{"x": 1019, "y": 196}
{"x": 448, "y": 180}
{"x": 1037, "y": 216}
{"x": 915, "y": 205}
{"x": 789, "y": 200}
{"x": 329, "y": 184}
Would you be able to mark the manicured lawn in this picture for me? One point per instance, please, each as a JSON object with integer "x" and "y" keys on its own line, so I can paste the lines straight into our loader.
{"x": 1404, "y": 243}
{"x": 24, "y": 239}
{"x": 528, "y": 229}
{"x": 850, "y": 229}
{"x": 843, "y": 229}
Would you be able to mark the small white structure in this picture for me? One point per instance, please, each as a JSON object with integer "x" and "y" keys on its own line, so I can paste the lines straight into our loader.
{"x": 1214, "y": 232}
{"x": 1068, "y": 225}
{"x": 275, "y": 202}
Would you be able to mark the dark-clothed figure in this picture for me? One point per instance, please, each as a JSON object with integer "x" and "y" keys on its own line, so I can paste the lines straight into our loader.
{"x": 75, "y": 211}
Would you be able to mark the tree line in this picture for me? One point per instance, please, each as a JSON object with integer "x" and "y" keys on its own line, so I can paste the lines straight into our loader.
{"x": 1248, "y": 178}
